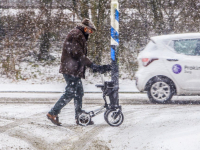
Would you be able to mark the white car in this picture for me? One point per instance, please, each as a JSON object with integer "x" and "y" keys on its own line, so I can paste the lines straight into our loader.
{"x": 170, "y": 64}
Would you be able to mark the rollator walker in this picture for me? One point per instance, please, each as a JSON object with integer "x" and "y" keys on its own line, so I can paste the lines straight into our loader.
{"x": 112, "y": 112}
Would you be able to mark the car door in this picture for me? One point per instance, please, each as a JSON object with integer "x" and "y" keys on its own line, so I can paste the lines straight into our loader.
{"x": 184, "y": 64}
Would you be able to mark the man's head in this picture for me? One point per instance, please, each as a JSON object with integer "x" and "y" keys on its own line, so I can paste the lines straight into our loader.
{"x": 89, "y": 27}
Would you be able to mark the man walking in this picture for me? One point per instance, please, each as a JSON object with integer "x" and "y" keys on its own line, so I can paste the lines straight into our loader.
{"x": 73, "y": 64}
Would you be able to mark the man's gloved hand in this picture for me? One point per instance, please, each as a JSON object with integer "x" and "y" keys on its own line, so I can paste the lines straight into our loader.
{"x": 105, "y": 68}
{"x": 101, "y": 69}
{"x": 95, "y": 68}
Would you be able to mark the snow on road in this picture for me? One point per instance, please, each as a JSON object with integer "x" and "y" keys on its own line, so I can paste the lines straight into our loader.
{"x": 145, "y": 127}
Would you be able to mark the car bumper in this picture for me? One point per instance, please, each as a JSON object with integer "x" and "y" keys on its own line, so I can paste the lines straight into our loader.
{"x": 141, "y": 79}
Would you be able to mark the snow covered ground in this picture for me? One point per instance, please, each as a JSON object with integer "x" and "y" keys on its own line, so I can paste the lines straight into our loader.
{"x": 23, "y": 123}
{"x": 145, "y": 127}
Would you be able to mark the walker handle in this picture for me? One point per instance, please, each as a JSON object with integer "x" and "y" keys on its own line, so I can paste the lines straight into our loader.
{"x": 102, "y": 78}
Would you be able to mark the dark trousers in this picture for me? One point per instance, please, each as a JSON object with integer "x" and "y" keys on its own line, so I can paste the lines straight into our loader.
{"x": 73, "y": 90}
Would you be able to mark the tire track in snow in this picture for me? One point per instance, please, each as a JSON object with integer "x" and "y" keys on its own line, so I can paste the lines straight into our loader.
{"x": 18, "y": 122}
{"x": 40, "y": 143}
{"x": 88, "y": 137}
{"x": 34, "y": 141}
{"x": 78, "y": 141}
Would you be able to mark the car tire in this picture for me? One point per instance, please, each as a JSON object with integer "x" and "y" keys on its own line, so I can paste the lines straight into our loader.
{"x": 161, "y": 90}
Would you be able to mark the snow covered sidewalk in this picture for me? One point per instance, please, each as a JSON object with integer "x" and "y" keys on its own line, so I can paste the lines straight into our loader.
{"x": 126, "y": 86}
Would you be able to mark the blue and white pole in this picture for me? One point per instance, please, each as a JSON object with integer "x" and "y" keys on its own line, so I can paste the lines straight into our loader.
{"x": 114, "y": 50}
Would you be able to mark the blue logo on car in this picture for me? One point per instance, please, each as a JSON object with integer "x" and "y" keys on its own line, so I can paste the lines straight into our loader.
{"x": 176, "y": 68}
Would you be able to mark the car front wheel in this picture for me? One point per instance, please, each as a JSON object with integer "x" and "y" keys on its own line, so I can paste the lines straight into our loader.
{"x": 161, "y": 91}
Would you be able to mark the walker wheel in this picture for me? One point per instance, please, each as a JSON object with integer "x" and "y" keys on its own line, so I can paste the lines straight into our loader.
{"x": 114, "y": 117}
{"x": 105, "y": 114}
{"x": 84, "y": 119}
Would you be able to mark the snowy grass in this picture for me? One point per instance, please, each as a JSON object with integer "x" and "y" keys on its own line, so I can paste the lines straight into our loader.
{"x": 35, "y": 72}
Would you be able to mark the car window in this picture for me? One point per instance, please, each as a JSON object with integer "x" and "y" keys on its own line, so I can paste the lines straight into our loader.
{"x": 187, "y": 46}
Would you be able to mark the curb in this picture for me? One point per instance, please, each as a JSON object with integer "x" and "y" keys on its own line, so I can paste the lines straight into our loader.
{"x": 51, "y": 98}
{"x": 53, "y": 101}
{"x": 137, "y": 92}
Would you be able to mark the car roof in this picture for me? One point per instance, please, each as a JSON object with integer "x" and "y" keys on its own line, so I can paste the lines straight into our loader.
{"x": 170, "y": 37}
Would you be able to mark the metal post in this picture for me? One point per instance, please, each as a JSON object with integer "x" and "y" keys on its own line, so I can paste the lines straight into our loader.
{"x": 114, "y": 51}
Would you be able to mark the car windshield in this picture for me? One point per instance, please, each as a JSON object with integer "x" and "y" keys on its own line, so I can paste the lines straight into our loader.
{"x": 187, "y": 46}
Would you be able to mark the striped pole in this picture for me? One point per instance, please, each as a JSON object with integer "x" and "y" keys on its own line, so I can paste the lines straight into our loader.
{"x": 114, "y": 50}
